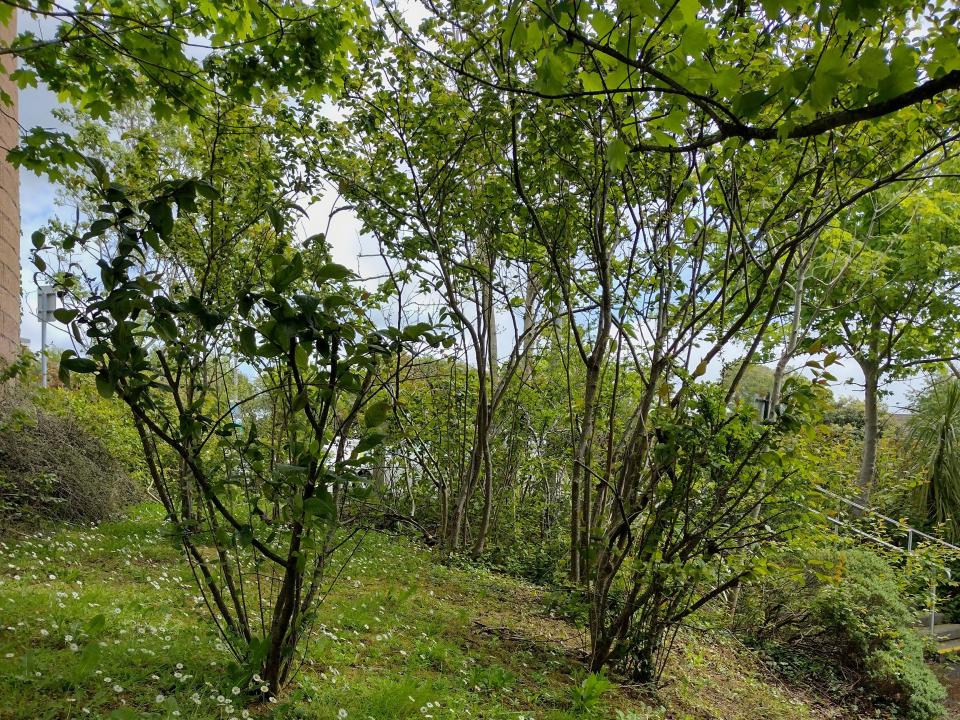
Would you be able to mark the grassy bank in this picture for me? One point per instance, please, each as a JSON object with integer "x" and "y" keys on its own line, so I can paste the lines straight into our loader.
{"x": 106, "y": 622}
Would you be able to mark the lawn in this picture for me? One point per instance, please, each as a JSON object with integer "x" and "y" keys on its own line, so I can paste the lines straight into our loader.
{"x": 105, "y": 622}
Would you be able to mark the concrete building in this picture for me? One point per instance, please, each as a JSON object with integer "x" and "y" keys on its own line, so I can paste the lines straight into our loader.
{"x": 9, "y": 211}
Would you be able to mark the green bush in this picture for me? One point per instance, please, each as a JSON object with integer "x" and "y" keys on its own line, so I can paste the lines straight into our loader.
{"x": 108, "y": 420}
{"x": 53, "y": 465}
{"x": 849, "y": 608}
{"x": 862, "y": 604}
{"x": 540, "y": 561}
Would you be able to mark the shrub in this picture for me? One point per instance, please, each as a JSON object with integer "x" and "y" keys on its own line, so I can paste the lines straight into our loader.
{"x": 863, "y": 607}
{"x": 108, "y": 420}
{"x": 53, "y": 466}
{"x": 848, "y": 608}
{"x": 541, "y": 561}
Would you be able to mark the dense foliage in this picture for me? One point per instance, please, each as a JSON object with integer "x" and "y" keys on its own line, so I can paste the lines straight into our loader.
{"x": 848, "y": 612}
{"x": 592, "y": 223}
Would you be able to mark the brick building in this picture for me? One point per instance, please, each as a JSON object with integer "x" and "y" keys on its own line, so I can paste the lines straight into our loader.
{"x": 9, "y": 212}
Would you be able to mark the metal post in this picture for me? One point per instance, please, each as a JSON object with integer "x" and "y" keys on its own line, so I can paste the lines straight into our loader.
{"x": 43, "y": 352}
{"x": 933, "y": 606}
{"x": 46, "y": 304}
{"x": 910, "y": 540}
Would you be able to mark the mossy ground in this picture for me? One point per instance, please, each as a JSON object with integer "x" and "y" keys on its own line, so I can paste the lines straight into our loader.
{"x": 106, "y": 622}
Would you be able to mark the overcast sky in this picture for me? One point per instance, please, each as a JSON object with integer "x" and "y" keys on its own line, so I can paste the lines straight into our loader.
{"x": 37, "y": 205}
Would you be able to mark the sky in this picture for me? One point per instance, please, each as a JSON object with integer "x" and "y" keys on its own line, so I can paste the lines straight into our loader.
{"x": 349, "y": 247}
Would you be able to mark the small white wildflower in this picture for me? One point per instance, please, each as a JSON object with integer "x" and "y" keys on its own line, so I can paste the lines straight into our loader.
{"x": 341, "y": 713}
{"x": 235, "y": 690}
{"x": 159, "y": 699}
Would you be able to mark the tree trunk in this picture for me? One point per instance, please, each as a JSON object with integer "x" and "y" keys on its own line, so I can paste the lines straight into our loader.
{"x": 484, "y": 528}
{"x": 575, "y": 526}
{"x": 483, "y": 438}
{"x": 582, "y": 461}
{"x": 871, "y": 430}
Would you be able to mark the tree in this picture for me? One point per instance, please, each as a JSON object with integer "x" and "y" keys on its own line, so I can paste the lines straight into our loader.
{"x": 425, "y": 184}
{"x": 171, "y": 286}
{"x": 274, "y": 502}
{"x": 904, "y": 282}
{"x": 703, "y": 180}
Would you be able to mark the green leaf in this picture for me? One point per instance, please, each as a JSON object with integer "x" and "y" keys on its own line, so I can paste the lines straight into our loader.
{"x": 367, "y": 442}
{"x": 165, "y": 327}
{"x": 592, "y": 82}
{"x": 376, "y": 413}
{"x": 161, "y": 217}
{"x": 276, "y": 219}
{"x": 320, "y": 506}
{"x": 617, "y": 154}
{"x": 104, "y": 387}
{"x": 206, "y": 190}
{"x": 244, "y": 535}
{"x": 301, "y": 357}
{"x": 78, "y": 364}
{"x": 551, "y": 74}
{"x": 288, "y": 273}
{"x": 748, "y": 104}
{"x": 300, "y": 400}
{"x": 248, "y": 341}
{"x": 688, "y": 9}
{"x": 332, "y": 271}
{"x": 65, "y": 315}
{"x": 285, "y": 470}
{"x": 416, "y": 331}
{"x": 96, "y": 624}
{"x": 902, "y": 74}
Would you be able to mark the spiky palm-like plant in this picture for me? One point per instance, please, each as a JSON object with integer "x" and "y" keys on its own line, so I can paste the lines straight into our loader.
{"x": 934, "y": 437}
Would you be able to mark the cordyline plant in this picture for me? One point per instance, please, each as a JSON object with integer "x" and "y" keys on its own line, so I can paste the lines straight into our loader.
{"x": 248, "y": 478}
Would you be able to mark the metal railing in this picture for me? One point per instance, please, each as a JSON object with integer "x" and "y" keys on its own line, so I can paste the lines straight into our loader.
{"x": 911, "y": 534}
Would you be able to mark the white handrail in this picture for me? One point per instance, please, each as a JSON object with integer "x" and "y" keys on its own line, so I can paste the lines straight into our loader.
{"x": 900, "y": 525}
{"x": 911, "y": 531}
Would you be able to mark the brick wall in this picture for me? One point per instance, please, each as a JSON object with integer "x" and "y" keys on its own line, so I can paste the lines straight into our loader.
{"x": 9, "y": 213}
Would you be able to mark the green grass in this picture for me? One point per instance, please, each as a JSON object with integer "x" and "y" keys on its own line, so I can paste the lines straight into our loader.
{"x": 106, "y": 623}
